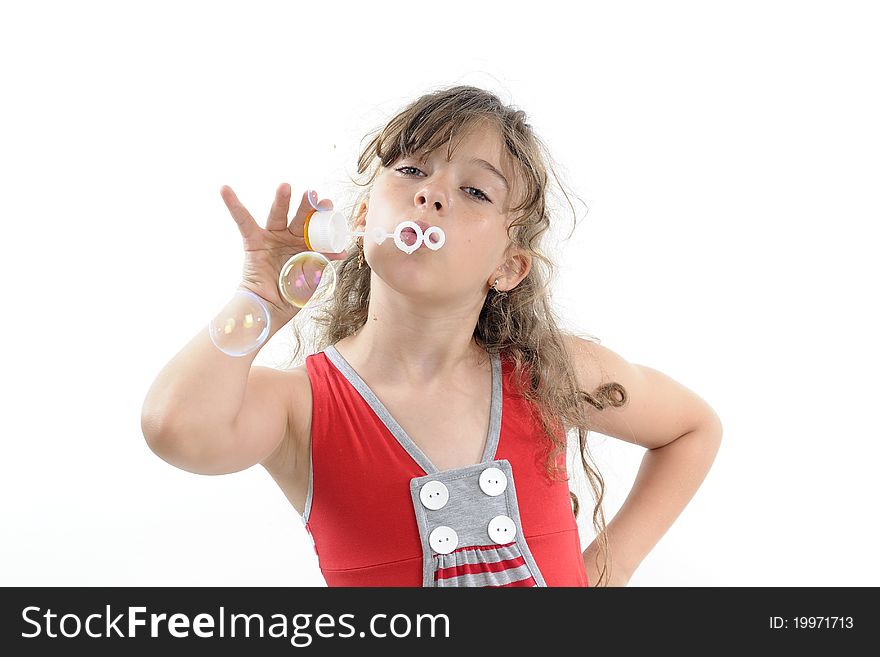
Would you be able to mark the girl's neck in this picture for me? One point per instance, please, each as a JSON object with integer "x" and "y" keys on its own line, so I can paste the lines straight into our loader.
{"x": 412, "y": 363}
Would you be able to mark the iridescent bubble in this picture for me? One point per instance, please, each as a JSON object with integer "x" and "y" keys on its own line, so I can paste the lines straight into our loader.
{"x": 307, "y": 278}
{"x": 242, "y": 326}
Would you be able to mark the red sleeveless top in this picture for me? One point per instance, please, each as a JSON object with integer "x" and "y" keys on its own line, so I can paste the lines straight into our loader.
{"x": 379, "y": 513}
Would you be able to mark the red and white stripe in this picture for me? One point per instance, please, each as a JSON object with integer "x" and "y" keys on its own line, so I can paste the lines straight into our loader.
{"x": 483, "y": 565}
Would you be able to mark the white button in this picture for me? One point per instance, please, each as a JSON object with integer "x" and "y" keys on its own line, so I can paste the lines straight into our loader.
{"x": 443, "y": 540}
{"x": 502, "y": 530}
{"x": 434, "y": 495}
{"x": 493, "y": 481}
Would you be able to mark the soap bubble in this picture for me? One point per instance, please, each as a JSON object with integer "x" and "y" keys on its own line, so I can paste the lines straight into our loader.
{"x": 242, "y": 326}
{"x": 308, "y": 277}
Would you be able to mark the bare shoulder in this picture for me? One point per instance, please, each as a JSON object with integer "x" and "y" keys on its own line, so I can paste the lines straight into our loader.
{"x": 655, "y": 408}
{"x": 591, "y": 361}
{"x": 285, "y": 460}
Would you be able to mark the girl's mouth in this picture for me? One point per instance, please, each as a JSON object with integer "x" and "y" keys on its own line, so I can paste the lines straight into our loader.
{"x": 408, "y": 235}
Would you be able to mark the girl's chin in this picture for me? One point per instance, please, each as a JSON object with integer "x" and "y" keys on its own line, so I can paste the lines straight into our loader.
{"x": 420, "y": 259}
{"x": 407, "y": 277}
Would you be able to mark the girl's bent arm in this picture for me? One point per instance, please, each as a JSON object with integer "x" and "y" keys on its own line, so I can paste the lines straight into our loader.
{"x": 211, "y": 413}
{"x": 681, "y": 432}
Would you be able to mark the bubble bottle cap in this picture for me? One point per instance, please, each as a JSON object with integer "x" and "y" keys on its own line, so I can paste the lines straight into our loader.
{"x": 326, "y": 231}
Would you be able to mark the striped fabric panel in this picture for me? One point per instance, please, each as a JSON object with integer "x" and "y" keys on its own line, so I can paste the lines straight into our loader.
{"x": 483, "y": 565}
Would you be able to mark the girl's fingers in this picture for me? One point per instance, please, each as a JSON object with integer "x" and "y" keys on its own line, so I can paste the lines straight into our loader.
{"x": 278, "y": 214}
{"x": 246, "y": 224}
{"x": 305, "y": 208}
{"x": 299, "y": 219}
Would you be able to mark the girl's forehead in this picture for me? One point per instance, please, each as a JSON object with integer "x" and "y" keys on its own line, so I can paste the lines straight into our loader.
{"x": 481, "y": 143}
{"x": 481, "y": 149}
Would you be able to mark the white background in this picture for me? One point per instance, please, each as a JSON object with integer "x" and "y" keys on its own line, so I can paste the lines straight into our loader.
{"x": 728, "y": 157}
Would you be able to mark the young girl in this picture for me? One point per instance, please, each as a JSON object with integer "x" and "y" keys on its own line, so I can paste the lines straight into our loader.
{"x": 424, "y": 443}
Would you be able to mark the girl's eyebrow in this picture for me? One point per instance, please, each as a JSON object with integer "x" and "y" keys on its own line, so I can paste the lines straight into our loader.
{"x": 491, "y": 169}
{"x": 483, "y": 164}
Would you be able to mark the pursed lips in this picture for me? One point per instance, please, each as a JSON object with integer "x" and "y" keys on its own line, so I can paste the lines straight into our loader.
{"x": 423, "y": 226}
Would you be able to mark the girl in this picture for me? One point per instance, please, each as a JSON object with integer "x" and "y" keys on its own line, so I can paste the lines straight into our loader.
{"x": 424, "y": 442}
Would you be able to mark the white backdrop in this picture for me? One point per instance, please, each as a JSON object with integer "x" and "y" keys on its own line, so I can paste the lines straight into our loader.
{"x": 728, "y": 159}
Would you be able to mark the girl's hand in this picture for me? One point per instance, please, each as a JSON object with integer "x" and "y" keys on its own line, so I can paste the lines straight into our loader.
{"x": 267, "y": 249}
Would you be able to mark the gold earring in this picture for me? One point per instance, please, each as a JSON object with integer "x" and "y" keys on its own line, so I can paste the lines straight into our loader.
{"x": 360, "y": 256}
{"x": 494, "y": 285}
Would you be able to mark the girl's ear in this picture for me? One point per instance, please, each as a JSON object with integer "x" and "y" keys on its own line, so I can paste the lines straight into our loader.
{"x": 524, "y": 264}
{"x": 514, "y": 269}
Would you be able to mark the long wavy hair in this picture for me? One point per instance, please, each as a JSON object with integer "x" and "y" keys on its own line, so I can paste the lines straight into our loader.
{"x": 519, "y": 323}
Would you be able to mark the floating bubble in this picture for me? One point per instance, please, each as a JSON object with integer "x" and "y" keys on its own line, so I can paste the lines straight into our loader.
{"x": 242, "y": 326}
{"x": 307, "y": 278}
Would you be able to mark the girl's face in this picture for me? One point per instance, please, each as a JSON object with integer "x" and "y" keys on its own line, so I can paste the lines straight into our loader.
{"x": 463, "y": 197}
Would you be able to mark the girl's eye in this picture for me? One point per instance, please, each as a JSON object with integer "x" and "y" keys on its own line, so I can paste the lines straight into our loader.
{"x": 482, "y": 196}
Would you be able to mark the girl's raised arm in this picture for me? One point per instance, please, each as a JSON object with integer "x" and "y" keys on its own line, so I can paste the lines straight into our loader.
{"x": 212, "y": 413}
